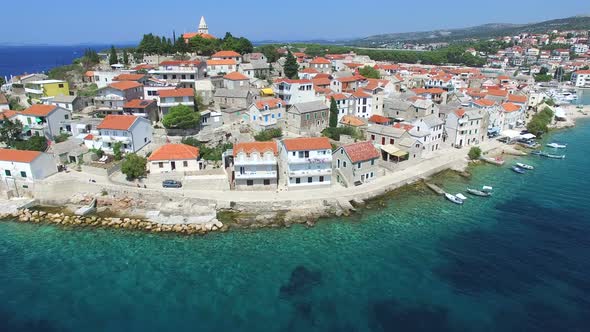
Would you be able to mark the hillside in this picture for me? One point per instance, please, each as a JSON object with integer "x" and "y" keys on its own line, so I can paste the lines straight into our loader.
{"x": 485, "y": 31}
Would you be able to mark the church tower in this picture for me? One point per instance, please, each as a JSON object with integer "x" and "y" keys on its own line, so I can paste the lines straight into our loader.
{"x": 203, "y": 29}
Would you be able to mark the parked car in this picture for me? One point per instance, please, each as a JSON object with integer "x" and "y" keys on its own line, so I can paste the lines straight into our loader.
{"x": 171, "y": 184}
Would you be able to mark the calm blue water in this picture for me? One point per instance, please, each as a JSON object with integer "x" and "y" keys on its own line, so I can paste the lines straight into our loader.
{"x": 518, "y": 261}
{"x": 17, "y": 60}
{"x": 583, "y": 96}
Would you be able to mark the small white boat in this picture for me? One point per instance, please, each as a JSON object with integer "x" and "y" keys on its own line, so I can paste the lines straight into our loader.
{"x": 557, "y": 146}
{"x": 454, "y": 199}
{"x": 487, "y": 189}
{"x": 461, "y": 197}
{"x": 479, "y": 193}
{"x": 525, "y": 166}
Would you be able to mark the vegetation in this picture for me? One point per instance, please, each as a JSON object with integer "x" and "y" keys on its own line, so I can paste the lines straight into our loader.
{"x": 64, "y": 73}
{"x": 291, "y": 67}
{"x": 34, "y": 143}
{"x": 10, "y": 131}
{"x": 125, "y": 58}
{"x": 134, "y": 166}
{"x": 2, "y": 81}
{"x": 369, "y": 72}
{"x": 90, "y": 58}
{"x": 540, "y": 122}
{"x": 206, "y": 152}
{"x": 62, "y": 138}
{"x": 334, "y": 133}
{"x": 543, "y": 75}
{"x": 117, "y": 151}
{"x": 113, "y": 59}
{"x": 550, "y": 102}
{"x": 88, "y": 91}
{"x": 181, "y": 117}
{"x": 333, "y": 113}
{"x": 269, "y": 51}
{"x": 152, "y": 44}
{"x": 474, "y": 153}
{"x": 14, "y": 105}
{"x": 268, "y": 135}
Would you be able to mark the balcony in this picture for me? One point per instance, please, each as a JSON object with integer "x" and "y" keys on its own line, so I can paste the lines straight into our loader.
{"x": 256, "y": 175}
{"x": 114, "y": 139}
{"x": 310, "y": 172}
{"x": 250, "y": 162}
{"x": 325, "y": 160}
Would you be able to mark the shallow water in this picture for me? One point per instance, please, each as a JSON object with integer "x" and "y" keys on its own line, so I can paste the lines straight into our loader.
{"x": 517, "y": 261}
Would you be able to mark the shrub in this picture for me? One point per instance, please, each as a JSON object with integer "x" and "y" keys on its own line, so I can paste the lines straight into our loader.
{"x": 206, "y": 152}
{"x": 117, "y": 153}
{"x": 134, "y": 166}
{"x": 61, "y": 138}
{"x": 181, "y": 117}
{"x": 334, "y": 133}
{"x": 474, "y": 153}
{"x": 268, "y": 134}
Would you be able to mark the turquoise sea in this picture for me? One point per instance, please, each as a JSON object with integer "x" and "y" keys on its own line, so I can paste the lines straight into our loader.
{"x": 518, "y": 261}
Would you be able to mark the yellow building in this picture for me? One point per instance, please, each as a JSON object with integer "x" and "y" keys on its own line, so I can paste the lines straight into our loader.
{"x": 38, "y": 90}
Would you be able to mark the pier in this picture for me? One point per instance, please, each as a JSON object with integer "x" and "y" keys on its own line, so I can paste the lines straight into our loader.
{"x": 438, "y": 190}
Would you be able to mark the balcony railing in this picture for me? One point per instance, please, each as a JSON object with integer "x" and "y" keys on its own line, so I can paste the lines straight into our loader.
{"x": 311, "y": 172}
{"x": 256, "y": 175}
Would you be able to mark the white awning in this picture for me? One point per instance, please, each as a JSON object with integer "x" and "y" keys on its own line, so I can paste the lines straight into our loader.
{"x": 511, "y": 133}
{"x": 528, "y": 136}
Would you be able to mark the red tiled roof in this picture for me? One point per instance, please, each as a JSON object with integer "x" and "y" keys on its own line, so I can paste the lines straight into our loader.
{"x": 361, "y": 151}
{"x": 510, "y": 107}
{"x": 349, "y": 79}
{"x": 406, "y": 127}
{"x": 260, "y": 147}
{"x": 485, "y": 102}
{"x": 338, "y": 96}
{"x": 19, "y": 156}
{"x": 521, "y": 99}
{"x": 89, "y": 137}
{"x": 309, "y": 71}
{"x": 321, "y": 81}
{"x": 117, "y": 122}
{"x": 583, "y": 72}
{"x": 129, "y": 77}
{"x": 290, "y": 81}
{"x": 182, "y": 92}
{"x": 271, "y": 103}
{"x": 143, "y": 66}
{"x": 125, "y": 85}
{"x": 226, "y": 54}
{"x": 460, "y": 112}
{"x": 436, "y": 91}
{"x": 320, "y": 61}
{"x": 497, "y": 92}
{"x": 351, "y": 120}
{"x": 180, "y": 63}
{"x": 307, "y": 143}
{"x": 175, "y": 152}
{"x": 375, "y": 118}
{"x": 360, "y": 94}
{"x": 138, "y": 103}
{"x": 190, "y": 35}
{"x": 221, "y": 62}
{"x": 235, "y": 76}
{"x": 39, "y": 110}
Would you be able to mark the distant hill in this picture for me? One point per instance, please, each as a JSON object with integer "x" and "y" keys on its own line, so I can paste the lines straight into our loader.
{"x": 485, "y": 31}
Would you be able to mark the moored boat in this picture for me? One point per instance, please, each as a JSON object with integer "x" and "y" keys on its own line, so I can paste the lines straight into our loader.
{"x": 487, "y": 189}
{"x": 557, "y": 145}
{"x": 525, "y": 166}
{"x": 479, "y": 193}
{"x": 553, "y": 156}
{"x": 454, "y": 199}
{"x": 518, "y": 170}
{"x": 494, "y": 161}
{"x": 536, "y": 153}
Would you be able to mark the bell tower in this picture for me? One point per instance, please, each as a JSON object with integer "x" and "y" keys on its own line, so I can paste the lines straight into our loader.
{"x": 203, "y": 29}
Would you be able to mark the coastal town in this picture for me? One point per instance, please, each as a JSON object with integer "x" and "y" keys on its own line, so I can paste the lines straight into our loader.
{"x": 180, "y": 136}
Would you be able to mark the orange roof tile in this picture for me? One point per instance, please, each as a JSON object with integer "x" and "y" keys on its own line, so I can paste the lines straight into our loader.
{"x": 175, "y": 152}
{"x": 226, "y": 54}
{"x": 321, "y": 81}
{"x": 351, "y": 120}
{"x": 8, "y": 114}
{"x": 19, "y": 156}
{"x": 320, "y": 61}
{"x": 309, "y": 71}
{"x": 125, "y": 85}
{"x": 138, "y": 103}
{"x": 521, "y": 99}
{"x": 361, "y": 151}
{"x": 436, "y": 91}
{"x": 271, "y": 103}
{"x": 375, "y": 118}
{"x": 117, "y": 122}
{"x": 39, "y": 110}
{"x": 129, "y": 77}
{"x": 484, "y": 102}
{"x": 182, "y": 92}
{"x": 460, "y": 112}
{"x": 260, "y": 147}
{"x": 360, "y": 94}
{"x": 406, "y": 127}
{"x": 307, "y": 143}
{"x": 221, "y": 62}
{"x": 182, "y": 63}
{"x": 190, "y": 35}
{"x": 235, "y": 76}
{"x": 338, "y": 96}
{"x": 510, "y": 107}
{"x": 497, "y": 92}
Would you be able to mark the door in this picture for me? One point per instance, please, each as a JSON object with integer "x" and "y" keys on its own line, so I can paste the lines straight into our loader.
{"x": 173, "y": 164}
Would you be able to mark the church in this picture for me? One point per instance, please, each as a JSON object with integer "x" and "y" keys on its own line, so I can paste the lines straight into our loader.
{"x": 203, "y": 31}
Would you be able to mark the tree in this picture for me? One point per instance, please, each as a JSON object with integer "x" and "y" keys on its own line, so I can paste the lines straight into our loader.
{"x": 270, "y": 52}
{"x": 543, "y": 71}
{"x": 369, "y": 72}
{"x": 117, "y": 153}
{"x": 10, "y": 131}
{"x": 474, "y": 153}
{"x": 113, "y": 57}
{"x": 125, "y": 58}
{"x": 543, "y": 78}
{"x": 291, "y": 67}
{"x": 333, "y": 113}
{"x": 2, "y": 81}
{"x": 204, "y": 46}
{"x": 268, "y": 134}
{"x": 35, "y": 143}
{"x": 181, "y": 117}
{"x": 134, "y": 166}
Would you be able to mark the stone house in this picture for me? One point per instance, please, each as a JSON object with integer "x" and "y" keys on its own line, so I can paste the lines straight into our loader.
{"x": 356, "y": 163}
{"x": 307, "y": 118}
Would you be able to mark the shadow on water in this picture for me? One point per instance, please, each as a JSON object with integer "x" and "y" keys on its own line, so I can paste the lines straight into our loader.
{"x": 301, "y": 282}
{"x": 389, "y": 315}
{"x": 9, "y": 323}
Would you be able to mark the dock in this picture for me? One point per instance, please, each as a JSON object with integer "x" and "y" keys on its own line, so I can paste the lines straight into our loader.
{"x": 438, "y": 190}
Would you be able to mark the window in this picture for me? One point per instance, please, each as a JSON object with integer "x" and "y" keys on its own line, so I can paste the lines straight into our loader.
{"x": 185, "y": 163}
{"x": 173, "y": 77}
{"x": 60, "y": 85}
{"x": 249, "y": 183}
{"x": 279, "y": 115}
{"x": 391, "y": 141}
{"x": 267, "y": 182}
{"x": 7, "y": 172}
{"x": 321, "y": 179}
{"x": 344, "y": 164}
{"x": 161, "y": 165}
{"x": 359, "y": 165}
{"x": 306, "y": 116}
{"x": 309, "y": 179}
{"x": 165, "y": 77}
{"x": 23, "y": 174}
{"x": 373, "y": 162}
{"x": 372, "y": 137}
{"x": 297, "y": 180}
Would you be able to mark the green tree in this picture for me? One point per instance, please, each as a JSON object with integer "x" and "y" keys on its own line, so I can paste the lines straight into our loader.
{"x": 34, "y": 143}
{"x": 113, "y": 56}
{"x": 291, "y": 67}
{"x": 268, "y": 134}
{"x": 14, "y": 104}
{"x": 204, "y": 46}
{"x": 125, "y": 58}
{"x": 369, "y": 72}
{"x": 181, "y": 46}
{"x": 333, "y": 113}
{"x": 117, "y": 150}
{"x": 10, "y": 131}
{"x": 270, "y": 52}
{"x": 181, "y": 117}
{"x": 474, "y": 153}
{"x": 539, "y": 124}
{"x": 90, "y": 58}
{"x": 134, "y": 166}
{"x": 2, "y": 81}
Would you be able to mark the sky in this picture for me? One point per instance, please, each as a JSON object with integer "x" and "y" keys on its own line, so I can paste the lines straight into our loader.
{"x": 62, "y": 22}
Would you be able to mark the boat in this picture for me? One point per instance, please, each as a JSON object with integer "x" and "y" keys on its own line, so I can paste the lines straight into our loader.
{"x": 518, "y": 170}
{"x": 525, "y": 166}
{"x": 454, "y": 199}
{"x": 536, "y": 153}
{"x": 557, "y": 146}
{"x": 461, "y": 197}
{"x": 487, "y": 189}
{"x": 553, "y": 156}
{"x": 479, "y": 193}
{"x": 494, "y": 161}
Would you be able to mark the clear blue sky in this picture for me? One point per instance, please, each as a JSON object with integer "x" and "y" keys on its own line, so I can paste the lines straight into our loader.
{"x": 117, "y": 21}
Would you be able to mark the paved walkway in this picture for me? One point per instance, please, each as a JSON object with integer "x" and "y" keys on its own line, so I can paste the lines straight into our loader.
{"x": 391, "y": 180}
